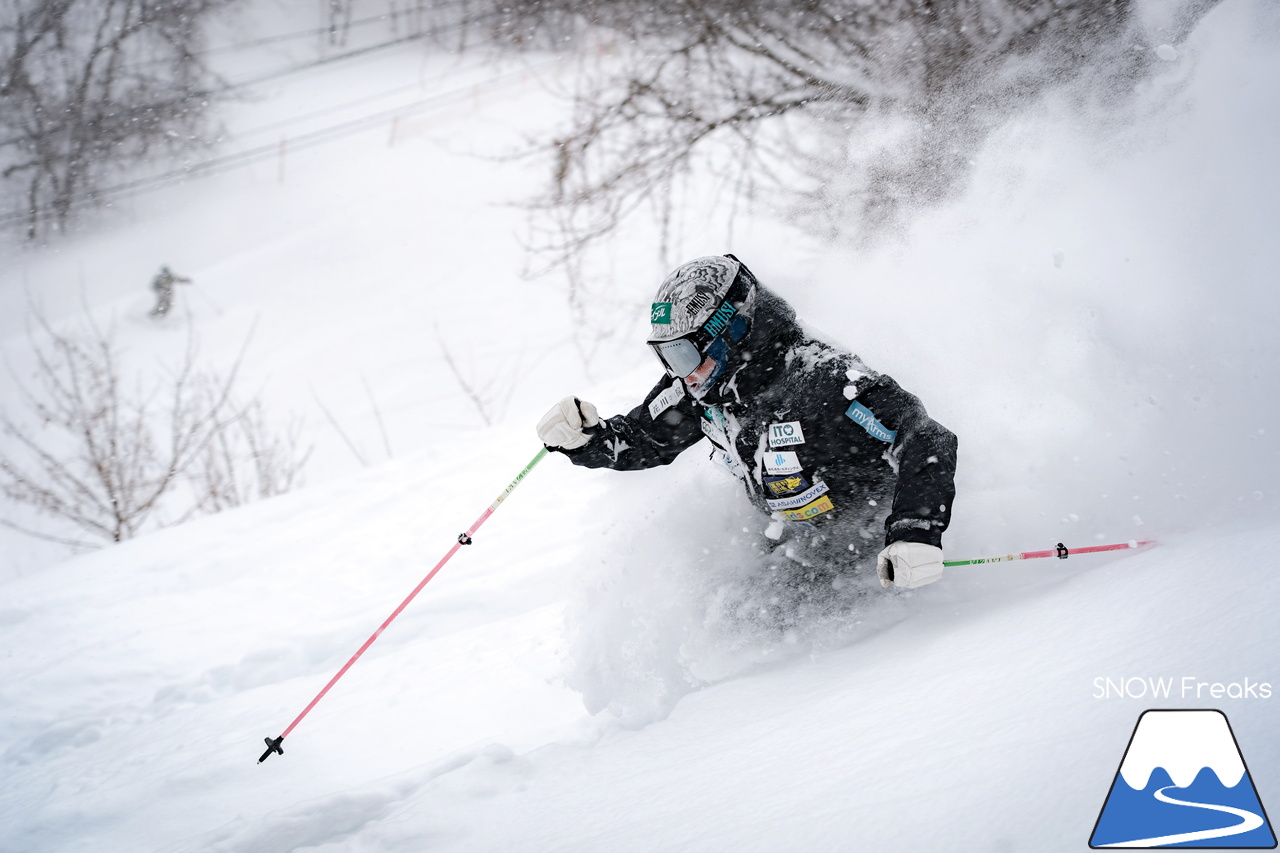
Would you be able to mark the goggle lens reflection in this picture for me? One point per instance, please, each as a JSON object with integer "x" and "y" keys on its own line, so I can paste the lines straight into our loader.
{"x": 680, "y": 356}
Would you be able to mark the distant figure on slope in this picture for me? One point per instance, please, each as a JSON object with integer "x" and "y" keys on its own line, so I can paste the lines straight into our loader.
{"x": 163, "y": 284}
{"x": 829, "y": 448}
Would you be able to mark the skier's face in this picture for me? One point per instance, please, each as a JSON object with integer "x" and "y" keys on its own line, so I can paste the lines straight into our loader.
{"x": 696, "y": 382}
{"x": 701, "y": 357}
{"x": 709, "y": 372}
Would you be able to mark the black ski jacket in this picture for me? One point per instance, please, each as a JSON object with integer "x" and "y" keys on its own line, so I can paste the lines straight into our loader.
{"x": 817, "y": 438}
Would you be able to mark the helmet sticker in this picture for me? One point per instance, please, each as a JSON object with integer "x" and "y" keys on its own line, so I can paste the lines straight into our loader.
{"x": 702, "y": 296}
{"x": 719, "y": 320}
{"x": 660, "y": 314}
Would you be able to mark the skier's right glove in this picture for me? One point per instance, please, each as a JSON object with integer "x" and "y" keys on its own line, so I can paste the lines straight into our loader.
{"x": 563, "y": 426}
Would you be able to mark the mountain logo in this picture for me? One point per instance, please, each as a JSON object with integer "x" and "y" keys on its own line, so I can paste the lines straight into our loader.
{"x": 1183, "y": 783}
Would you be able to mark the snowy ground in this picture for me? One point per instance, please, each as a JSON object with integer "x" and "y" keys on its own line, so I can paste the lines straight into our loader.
{"x": 1093, "y": 319}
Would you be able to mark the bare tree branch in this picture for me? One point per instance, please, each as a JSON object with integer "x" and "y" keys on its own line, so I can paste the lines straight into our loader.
{"x": 333, "y": 422}
{"x": 87, "y": 87}
{"x": 773, "y": 100}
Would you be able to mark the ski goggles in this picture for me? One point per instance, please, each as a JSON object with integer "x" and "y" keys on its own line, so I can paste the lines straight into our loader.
{"x": 680, "y": 357}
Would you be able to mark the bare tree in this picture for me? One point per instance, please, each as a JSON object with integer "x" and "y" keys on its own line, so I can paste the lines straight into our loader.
{"x": 770, "y": 97}
{"x": 486, "y": 396}
{"x": 339, "y": 21}
{"x": 247, "y": 460}
{"x": 101, "y": 456}
{"x": 89, "y": 86}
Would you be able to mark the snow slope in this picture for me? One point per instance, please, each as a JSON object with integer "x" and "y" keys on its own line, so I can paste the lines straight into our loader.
{"x": 1093, "y": 319}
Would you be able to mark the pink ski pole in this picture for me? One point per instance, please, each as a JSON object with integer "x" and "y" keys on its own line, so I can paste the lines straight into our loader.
{"x": 1061, "y": 552}
{"x": 274, "y": 744}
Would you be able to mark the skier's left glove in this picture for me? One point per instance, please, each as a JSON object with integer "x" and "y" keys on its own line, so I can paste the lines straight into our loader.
{"x": 909, "y": 564}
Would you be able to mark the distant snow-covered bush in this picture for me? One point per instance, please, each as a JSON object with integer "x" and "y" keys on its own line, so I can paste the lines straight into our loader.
{"x": 103, "y": 458}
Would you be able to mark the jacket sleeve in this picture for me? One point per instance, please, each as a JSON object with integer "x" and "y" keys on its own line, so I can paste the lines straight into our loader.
{"x": 637, "y": 440}
{"x": 925, "y": 452}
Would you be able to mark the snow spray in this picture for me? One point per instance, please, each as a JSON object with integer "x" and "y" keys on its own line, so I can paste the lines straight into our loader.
{"x": 274, "y": 744}
{"x": 1061, "y": 552}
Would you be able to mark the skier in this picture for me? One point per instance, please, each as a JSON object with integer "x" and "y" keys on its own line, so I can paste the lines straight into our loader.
{"x": 827, "y": 446}
{"x": 163, "y": 284}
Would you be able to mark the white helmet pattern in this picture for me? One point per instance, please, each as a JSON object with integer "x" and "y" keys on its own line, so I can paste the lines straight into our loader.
{"x": 690, "y": 295}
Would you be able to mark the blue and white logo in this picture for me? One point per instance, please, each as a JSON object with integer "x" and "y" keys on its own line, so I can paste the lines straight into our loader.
{"x": 863, "y": 417}
{"x": 1183, "y": 783}
{"x": 782, "y": 462}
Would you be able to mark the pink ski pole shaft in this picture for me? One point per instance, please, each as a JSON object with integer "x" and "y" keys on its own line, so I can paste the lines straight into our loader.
{"x": 274, "y": 744}
{"x": 1061, "y": 552}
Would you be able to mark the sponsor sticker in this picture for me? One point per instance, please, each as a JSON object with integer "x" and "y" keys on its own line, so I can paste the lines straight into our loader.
{"x": 660, "y": 314}
{"x": 666, "y": 399}
{"x": 863, "y": 417}
{"x": 731, "y": 463}
{"x": 715, "y": 426}
{"x": 785, "y": 435}
{"x": 702, "y": 296}
{"x": 807, "y": 497}
{"x": 782, "y": 462}
{"x": 804, "y": 513}
{"x": 716, "y": 323}
{"x": 786, "y": 485}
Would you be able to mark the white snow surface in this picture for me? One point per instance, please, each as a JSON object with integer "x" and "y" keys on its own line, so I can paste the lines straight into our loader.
{"x": 1094, "y": 318}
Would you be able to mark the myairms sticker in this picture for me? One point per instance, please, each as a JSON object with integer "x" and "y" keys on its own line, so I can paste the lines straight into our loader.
{"x": 863, "y": 417}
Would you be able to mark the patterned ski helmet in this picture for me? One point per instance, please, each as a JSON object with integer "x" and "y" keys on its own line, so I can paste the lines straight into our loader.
{"x": 690, "y": 295}
{"x": 700, "y": 317}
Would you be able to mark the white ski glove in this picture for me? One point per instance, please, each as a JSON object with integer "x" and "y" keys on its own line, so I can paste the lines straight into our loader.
{"x": 909, "y": 564}
{"x": 562, "y": 426}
